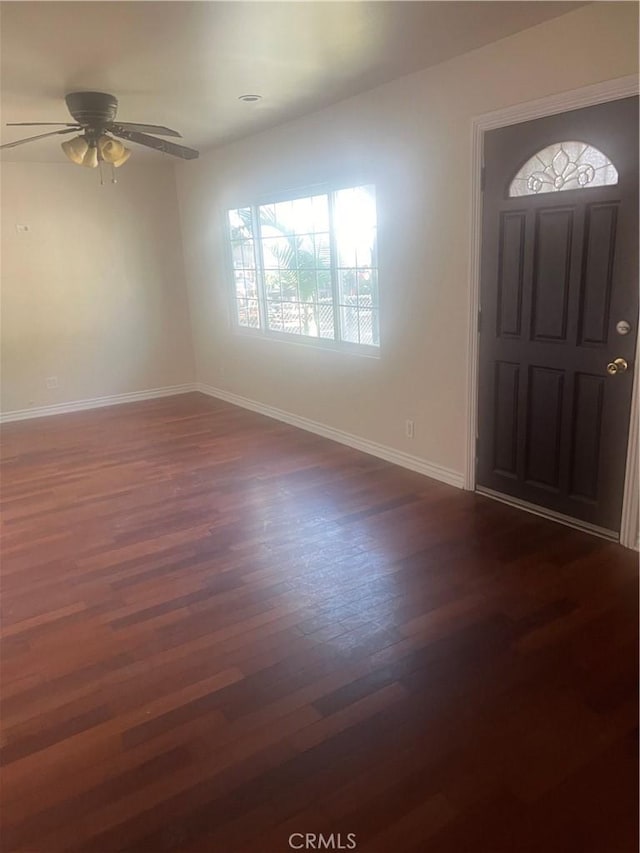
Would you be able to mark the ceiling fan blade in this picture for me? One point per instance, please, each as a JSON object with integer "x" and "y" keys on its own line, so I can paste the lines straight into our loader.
{"x": 40, "y": 136}
{"x": 41, "y": 124}
{"x": 158, "y": 129}
{"x": 159, "y": 144}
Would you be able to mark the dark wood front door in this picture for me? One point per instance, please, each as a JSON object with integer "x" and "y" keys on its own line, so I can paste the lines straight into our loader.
{"x": 559, "y": 305}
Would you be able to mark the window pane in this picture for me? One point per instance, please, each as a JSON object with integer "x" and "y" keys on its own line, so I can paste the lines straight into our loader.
{"x": 238, "y": 260}
{"x": 248, "y": 313}
{"x": 284, "y": 217}
{"x": 297, "y": 259}
{"x": 298, "y": 216}
{"x": 278, "y": 252}
{"x": 291, "y": 318}
{"x": 253, "y": 313}
{"x": 240, "y": 223}
{"x": 246, "y": 284}
{"x": 324, "y": 285}
{"x": 358, "y": 287}
{"x": 317, "y": 320}
{"x": 368, "y": 288}
{"x": 348, "y": 286}
{"x": 349, "y": 323}
{"x": 245, "y": 280}
{"x": 243, "y": 254}
{"x": 368, "y": 327}
{"x": 272, "y": 286}
{"x": 320, "y": 212}
{"x": 266, "y": 215}
{"x": 301, "y": 213}
{"x": 323, "y": 251}
{"x": 245, "y": 267}
{"x": 307, "y": 285}
{"x": 302, "y": 249}
{"x": 325, "y": 320}
{"x": 274, "y": 316}
{"x": 305, "y": 252}
{"x": 354, "y": 217}
{"x": 289, "y": 285}
{"x": 563, "y": 166}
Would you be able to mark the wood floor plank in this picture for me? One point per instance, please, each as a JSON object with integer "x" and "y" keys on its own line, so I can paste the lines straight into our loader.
{"x": 218, "y": 630}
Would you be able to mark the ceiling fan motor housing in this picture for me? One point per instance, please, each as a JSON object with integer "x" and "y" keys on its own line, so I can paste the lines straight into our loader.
{"x": 92, "y": 109}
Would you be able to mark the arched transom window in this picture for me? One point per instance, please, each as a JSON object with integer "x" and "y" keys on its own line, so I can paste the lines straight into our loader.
{"x": 564, "y": 166}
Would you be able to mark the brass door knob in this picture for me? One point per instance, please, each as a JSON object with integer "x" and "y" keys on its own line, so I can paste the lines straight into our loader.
{"x": 618, "y": 365}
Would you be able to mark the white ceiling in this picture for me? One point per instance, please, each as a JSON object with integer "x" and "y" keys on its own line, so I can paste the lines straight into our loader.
{"x": 184, "y": 64}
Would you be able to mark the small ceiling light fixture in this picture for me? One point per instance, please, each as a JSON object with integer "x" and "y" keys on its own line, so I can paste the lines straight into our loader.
{"x": 113, "y": 151}
{"x": 91, "y": 158}
{"x": 250, "y": 99}
{"x": 85, "y": 151}
{"x": 91, "y": 150}
{"x": 76, "y": 150}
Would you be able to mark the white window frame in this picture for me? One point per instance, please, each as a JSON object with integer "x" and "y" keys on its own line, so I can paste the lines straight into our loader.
{"x": 264, "y": 333}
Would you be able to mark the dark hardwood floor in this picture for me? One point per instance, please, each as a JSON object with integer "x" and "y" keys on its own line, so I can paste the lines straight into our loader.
{"x": 219, "y": 630}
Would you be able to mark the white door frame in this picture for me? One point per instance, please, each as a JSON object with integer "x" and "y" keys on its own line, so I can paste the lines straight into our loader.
{"x": 610, "y": 90}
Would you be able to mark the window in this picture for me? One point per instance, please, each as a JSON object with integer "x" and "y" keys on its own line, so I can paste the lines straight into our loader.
{"x": 307, "y": 267}
{"x": 564, "y": 166}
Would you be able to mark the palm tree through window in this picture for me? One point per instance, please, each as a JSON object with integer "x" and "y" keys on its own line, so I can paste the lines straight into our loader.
{"x": 307, "y": 266}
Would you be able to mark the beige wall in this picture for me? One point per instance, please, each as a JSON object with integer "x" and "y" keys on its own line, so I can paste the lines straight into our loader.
{"x": 412, "y": 138}
{"x": 94, "y": 292}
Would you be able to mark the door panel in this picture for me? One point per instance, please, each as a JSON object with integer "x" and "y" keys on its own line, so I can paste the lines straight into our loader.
{"x": 600, "y": 241}
{"x": 559, "y": 270}
{"x": 506, "y": 417}
{"x": 552, "y": 253}
{"x": 585, "y": 436}
{"x": 544, "y": 421}
{"x": 511, "y": 274}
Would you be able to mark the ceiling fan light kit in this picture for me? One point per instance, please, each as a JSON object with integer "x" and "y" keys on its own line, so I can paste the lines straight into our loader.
{"x": 75, "y": 149}
{"x": 90, "y": 159}
{"x": 94, "y": 114}
{"x": 113, "y": 151}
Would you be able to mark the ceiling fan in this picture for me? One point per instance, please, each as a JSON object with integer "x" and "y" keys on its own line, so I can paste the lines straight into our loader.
{"x": 94, "y": 115}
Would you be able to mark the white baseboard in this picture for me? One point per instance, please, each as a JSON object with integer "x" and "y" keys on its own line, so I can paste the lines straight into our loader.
{"x": 381, "y": 451}
{"x": 96, "y": 402}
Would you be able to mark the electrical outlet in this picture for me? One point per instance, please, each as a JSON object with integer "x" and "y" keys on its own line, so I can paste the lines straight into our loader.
{"x": 409, "y": 428}
{"x": 51, "y": 382}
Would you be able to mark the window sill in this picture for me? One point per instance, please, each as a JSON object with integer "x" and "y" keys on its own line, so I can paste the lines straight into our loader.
{"x": 321, "y": 344}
